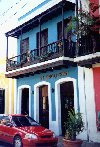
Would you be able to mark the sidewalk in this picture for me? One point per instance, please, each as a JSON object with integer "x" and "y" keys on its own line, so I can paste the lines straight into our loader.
{"x": 85, "y": 143}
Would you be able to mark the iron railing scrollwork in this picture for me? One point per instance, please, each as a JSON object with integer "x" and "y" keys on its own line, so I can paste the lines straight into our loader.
{"x": 53, "y": 50}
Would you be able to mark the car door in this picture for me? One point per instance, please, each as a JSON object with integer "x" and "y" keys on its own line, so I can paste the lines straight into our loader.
{"x": 1, "y": 131}
{"x": 6, "y": 132}
{"x": 2, "y": 128}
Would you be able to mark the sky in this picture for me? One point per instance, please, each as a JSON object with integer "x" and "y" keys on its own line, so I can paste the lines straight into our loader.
{"x": 10, "y": 11}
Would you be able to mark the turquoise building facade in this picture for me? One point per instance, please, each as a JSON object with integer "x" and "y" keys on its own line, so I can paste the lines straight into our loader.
{"x": 47, "y": 76}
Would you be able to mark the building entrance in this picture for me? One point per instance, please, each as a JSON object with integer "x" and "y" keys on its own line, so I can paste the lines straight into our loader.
{"x": 25, "y": 101}
{"x": 2, "y": 101}
{"x": 43, "y": 106}
{"x": 67, "y": 101}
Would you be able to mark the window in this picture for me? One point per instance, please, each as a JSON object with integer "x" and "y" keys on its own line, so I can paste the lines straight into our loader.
{"x": 44, "y": 38}
{"x": 24, "y": 45}
{"x": 59, "y": 28}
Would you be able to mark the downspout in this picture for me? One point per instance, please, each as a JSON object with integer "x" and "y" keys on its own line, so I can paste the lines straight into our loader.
{"x": 87, "y": 126}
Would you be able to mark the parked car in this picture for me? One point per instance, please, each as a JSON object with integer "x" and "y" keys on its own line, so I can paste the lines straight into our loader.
{"x": 22, "y": 131}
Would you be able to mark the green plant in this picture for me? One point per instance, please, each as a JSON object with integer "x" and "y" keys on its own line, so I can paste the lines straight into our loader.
{"x": 74, "y": 125}
{"x": 85, "y": 21}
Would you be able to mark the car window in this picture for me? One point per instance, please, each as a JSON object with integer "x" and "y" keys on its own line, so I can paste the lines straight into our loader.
{"x": 24, "y": 121}
{"x": 4, "y": 120}
{"x": 32, "y": 121}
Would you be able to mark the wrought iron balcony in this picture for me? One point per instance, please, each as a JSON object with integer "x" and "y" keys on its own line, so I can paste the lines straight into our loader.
{"x": 51, "y": 51}
{"x": 89, "y": 44}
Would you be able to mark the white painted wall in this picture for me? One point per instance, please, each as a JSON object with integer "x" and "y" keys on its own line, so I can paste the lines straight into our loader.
{"x": 87, "y": 104}
{"x": 18, "y": 110}
{"x": 52, "y": 124}
{"x": 82, "y": 101}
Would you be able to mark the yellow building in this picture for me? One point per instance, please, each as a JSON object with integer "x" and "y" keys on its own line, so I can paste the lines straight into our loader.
{"x": 6, "y": 90}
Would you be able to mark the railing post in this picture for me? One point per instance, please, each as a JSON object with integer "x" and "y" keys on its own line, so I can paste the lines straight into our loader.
{"x": 39, "y": 36}
{"x": 7, "y": 48}
{"x": 63, "y": 28}
{"x": 77, "y": 29}
{"x": 7, "y": 54}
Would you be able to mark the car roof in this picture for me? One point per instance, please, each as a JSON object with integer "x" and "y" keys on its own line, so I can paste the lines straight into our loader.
{"x": 2, "y": 115}
{"x": 17, "y": 115}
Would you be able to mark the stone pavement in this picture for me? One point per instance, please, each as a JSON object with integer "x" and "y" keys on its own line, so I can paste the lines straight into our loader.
{"x": 85, "y": 143}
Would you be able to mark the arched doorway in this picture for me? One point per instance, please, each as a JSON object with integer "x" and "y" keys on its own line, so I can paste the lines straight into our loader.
{"x": 67, "y": 101}
{"x": 43, "y": 106}
{"x": 25, "y": 101}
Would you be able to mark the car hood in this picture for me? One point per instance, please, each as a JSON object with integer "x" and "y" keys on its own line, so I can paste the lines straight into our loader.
{"x": 37, "y": 130}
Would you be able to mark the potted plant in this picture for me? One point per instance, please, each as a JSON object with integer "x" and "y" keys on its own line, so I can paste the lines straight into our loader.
{"x": 73, "y": 127}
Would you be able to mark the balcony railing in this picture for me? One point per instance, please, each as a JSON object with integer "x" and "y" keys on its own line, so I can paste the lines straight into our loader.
{"x": 89, "y": 44}
{"x": 51, "y": 51}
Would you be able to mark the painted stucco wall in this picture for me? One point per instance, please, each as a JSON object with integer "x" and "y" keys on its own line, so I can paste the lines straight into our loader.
{"x": 32, "y": 80}
{"x": 8, "y": 85}
{"x": 31, "y": 10}
{"x": 87, "y": 104}
{"x": 52, "y": 31}
{"x": 96, "y": 76}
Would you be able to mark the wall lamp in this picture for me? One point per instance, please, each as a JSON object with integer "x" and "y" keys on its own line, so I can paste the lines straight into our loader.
{"x": 32, "y": 91}
{"x": 52, "y": 89}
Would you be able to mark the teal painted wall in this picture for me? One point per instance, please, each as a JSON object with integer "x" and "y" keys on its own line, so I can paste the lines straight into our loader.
{"x": 52, "y": 37}
{"x": 52, "y": 31}
{"x": 32, "y": 80}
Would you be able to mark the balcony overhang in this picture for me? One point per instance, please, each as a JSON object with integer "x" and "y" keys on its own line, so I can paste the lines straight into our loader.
{"x": 88, "y": 60}
{"x": 44, "y": 16}
{"x": 41, "y": 67}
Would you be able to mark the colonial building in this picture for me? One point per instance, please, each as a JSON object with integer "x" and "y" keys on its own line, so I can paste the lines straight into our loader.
{"x": 89, "y": 84}
{"x": 53, "y": 76}
{"x": 7, "y": 90}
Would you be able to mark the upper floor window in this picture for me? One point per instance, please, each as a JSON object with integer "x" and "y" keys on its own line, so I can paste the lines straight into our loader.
{"x": 24, "y": 45}
{"x": 44, "y": 38}
{"x": 59, "y": 29}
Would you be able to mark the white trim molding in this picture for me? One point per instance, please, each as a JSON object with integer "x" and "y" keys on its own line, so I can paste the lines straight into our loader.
{"x": 36, "y": 101}
{"x": 86, "y": 57}
{"x": 15, "y": 96}
{"x": 87, "y": 104}
{"x": 10, "y": 96}
{"x": 58, "y": 102}
{"x": 20, "y": 96}
{"x": 40, "y": 64}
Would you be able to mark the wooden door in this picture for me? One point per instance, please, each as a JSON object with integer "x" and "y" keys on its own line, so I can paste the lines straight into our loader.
{"x": 67, "y": 101}
{"x": 43, "y": 106}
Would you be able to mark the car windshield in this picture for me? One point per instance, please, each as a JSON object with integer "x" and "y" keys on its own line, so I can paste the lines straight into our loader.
{"x": 20, "y": 121}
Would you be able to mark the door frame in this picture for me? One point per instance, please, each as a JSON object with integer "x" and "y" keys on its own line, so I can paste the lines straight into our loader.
{"x": 20, "y": 97}
{"x": 58, "y": 101}
{"x": 36, "y": 100}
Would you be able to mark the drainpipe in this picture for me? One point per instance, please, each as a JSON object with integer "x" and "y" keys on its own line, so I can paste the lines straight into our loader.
{"x": 86, "y": 106}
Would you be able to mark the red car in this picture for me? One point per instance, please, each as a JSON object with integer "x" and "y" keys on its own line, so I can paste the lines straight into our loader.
{"x": 23, "y": 131}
